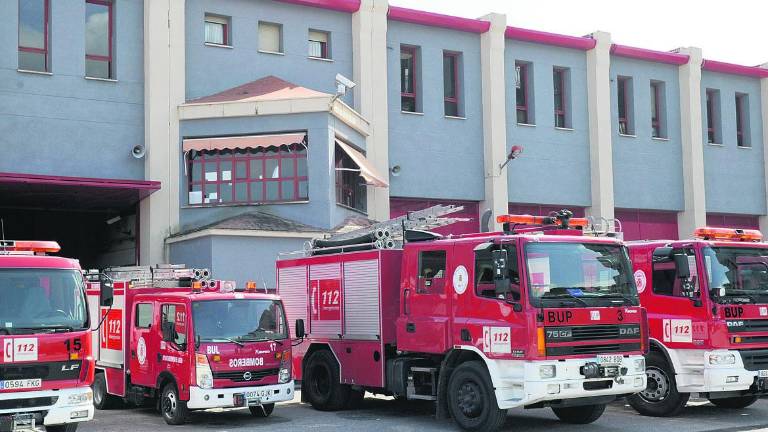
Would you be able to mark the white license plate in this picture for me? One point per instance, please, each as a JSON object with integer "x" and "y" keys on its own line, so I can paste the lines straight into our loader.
{"x": 21, "y": 384}
{"x": 609, "y": 359}
{"x": 762, "y": 373}
{"x": 255, "y": 396}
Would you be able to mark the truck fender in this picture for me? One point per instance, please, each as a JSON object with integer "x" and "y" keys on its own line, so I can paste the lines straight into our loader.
{"x": 456, "y": 356}
{"x": 658, "y": 346}
{"x": 315, "y": 346}
{"x": 164, "y": 378}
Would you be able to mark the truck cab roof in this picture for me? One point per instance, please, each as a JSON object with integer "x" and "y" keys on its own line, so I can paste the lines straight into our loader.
{"x": 565, "y": 236}
{"x": 37, "y": 261}
{"x": 187, "y": 295}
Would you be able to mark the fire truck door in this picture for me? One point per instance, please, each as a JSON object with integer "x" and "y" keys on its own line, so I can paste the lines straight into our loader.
{"x": 144, "y": 339}
{"x": 173, "y": 355}
{"x": 426, "y": 304}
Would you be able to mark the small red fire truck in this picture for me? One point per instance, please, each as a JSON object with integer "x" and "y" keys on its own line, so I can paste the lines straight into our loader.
{"x": 188, "y": 343}
{"x": 707, "y": 302}
{"x": 535, "y": 316}
{"x": 46, "y": 366}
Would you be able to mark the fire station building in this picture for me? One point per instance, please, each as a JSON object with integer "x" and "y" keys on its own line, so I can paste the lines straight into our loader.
{"x": 222, "y": 133}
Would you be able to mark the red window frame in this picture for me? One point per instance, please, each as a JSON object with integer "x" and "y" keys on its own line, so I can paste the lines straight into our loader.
{"x": 225, "y": 29}
{"x": 656, "y": 114}
{"x": 524, "y": 85}
{"x": 260, "y": 155}
{"x": 740, "y": 141}
{"x": 711, "y": 135}
{"x": 455, "y": 98}
{"x": 409, "y": 95}
{"x": 110, "y": 12}
{"x": 46, "y": 35}
{"x": 559, "y": 76}
{"x": 622, "y": 89}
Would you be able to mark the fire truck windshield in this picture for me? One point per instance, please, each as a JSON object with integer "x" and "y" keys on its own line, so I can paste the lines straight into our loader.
{"x": 579, "y": 275}
{"x": 238, "y": 321}
{"x": 742, "y": 272}
{"x": 41, "y": 300}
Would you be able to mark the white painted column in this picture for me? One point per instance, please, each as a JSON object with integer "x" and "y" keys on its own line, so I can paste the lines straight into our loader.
{"x": 492, "y": 47}
{"x": 691, "y": 127}
{"x": 600, "y": 131}
{"x": 764, "y": 118}
{"x": 369, "y": 46}
{"x": 164, "y": 91}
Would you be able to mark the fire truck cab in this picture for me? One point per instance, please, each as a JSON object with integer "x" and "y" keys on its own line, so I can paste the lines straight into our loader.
{"x": 531, "y": 317}
{"x": 707, "y": 302}
{"x": 46, "y": 366}
{"x": 168, "y": 340}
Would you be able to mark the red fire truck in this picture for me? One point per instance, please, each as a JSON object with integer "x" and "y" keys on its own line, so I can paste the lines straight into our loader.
{"x": 707, "y": 302}
{"x": 188, "y": 343}
{"x": 46, "y": 367}
{"x": 535, "y": 316}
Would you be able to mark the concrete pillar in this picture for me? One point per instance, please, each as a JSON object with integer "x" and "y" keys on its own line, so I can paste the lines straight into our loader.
{"x": 369, "y": 45}
{"x": 600, "y": 130}
{"x": 694, "y": 213}
{"x": 764, "y": 117}
{"x": 492, "y": 46}
{"x": 164, "y": 87}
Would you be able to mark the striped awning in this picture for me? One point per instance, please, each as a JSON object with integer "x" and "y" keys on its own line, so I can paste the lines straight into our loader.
{"x": 367, "y": 171}
{"x": 242, "y": 142}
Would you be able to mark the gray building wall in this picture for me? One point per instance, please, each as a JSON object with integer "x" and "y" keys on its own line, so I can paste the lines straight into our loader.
{"x": 64, "y": 124}
{"x": 648, "y": 172}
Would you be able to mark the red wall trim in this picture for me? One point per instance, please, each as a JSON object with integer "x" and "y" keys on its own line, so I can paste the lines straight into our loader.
{"x": 734, "y": 69}
{"x": 649, "y": 55}
{"x": 348, "y": 6}
{"x": 79, "y": 181}
{"x": 437, "y": 20}
{"x": 526, "y": 35}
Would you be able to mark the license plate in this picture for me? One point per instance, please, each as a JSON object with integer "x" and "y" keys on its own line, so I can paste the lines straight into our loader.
{"x": 762, "y": 373}
{"x": 21, "y": 384}
{"x": 256, "y": 396}
{"x": 609, "y": 359}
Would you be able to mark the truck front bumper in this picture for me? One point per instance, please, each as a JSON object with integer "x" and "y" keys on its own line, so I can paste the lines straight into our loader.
{"x": 225, "y": 397}
{"x": 53, "y": 407}
{"x": 696, "y": 374}
{"x": 520, "y": 383}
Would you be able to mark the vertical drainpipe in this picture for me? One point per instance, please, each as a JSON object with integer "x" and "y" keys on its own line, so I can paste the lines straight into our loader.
{"x": 764, "y": 119}
{"x": 694, "y": 213}
{"x": 492, "y": 47}
{"x": 600, "y": 127}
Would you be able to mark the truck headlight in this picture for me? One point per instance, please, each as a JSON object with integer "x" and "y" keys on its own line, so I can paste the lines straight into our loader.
{"x": 547, "y": 371}
{"x": 80, "y": 398}
{"x": 285, "y": 376}
{"x": 203, "y": 373}
{"x": 640, "y": 365}
{"x": 722, "y": 359}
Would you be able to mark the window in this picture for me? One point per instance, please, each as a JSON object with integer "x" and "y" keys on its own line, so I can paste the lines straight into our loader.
{"x": 270, "y": 37}
{"x": 350, "y": 189}
{"x": 98, "y": 39}
{"x": 713, "y": 117}
{"x": 658, "y": 110}
{"x": 254, "y": 175}
{"x": 217, "y": 30}
{"x": 624, "y": 98}
{"x": 451, "y": 86}
{"x": 524, "y": 93}
{"x": 665, "y": 279}
{"x": 144, "y": 315}
{"x": 34, "y": 35}
{"x": 174, "y": 324}
{"x": 560, "y": 90}
{"x": 431, "y": 272}
{"x": 408, "y": 58}
{"x": 485, "y": 283}
{"x": 742, "y": 120}
{"x": 319, "y": 44}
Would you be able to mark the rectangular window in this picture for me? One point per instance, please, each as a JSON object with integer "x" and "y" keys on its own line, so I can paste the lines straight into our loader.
{"x": 319, "y": 44}
{"x": 431, "y": 272}
{"x": 451, "y": 84}
{"x": 270, "y": 37}
{"x": 742, "y": 120}
{"x": 665, "y": 279}
{"x": 523, "y": 93}
{"x": 560, "y": 90}
{"x": 408, "y": 96}
{"x": 485, "y": 282}
{"x": 34, "y": 35}
{"x": 144, "y": 315}
{"x": 351, "y": 191}
{"x": 658, "y": 110}
{"x": 248, "y": 176}
{"x": 624, "y": 98}
{"x": 713, "y": 117}
{"x": 98, "y": 39}
{"x": 217, "y": 30}
{"x": 173, "y": 324}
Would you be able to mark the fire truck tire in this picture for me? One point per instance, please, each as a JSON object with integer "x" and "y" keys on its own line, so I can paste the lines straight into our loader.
{"x": 471, "y": 399}
{"x": 173, "y": 409}
{"x": 71, "y": 427}
{"x": 262, "y": 411}
{"x": 734, "y": 402}
{"x": 580, "y": 414}
{"x": 101, "y": 399}
{"x": 660, "y": 398}
{"x": 322, "y": 381}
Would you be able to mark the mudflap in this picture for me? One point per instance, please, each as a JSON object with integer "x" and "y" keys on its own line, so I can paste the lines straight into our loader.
{"x": 441, "y": 405}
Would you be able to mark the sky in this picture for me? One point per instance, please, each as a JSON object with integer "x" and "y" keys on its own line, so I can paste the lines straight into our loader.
{"x": 734, "y": 31}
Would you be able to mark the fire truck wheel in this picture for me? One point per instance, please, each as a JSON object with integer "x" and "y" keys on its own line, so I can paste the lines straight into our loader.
{"x": 660, "y": 398}
{"x": 580, "y": 414}
{"x": 471, "y": 399}
{"x": 734, "y": 402}
{"x": 262, "y": 411}
{"x": 174, "y": 410}
{"x": 72, "y": 427}
{"x": 323, "y": 383}
{"x": 101, "y": 399}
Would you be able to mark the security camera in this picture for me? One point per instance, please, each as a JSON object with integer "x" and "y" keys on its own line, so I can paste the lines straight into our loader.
{"x": 346, "y": 82}
{"x": 138, "y": 151}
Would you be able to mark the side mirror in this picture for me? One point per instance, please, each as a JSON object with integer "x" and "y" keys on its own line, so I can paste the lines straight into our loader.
{"x": 662, "y": 252}
{"x": 681, "y": 266}
{"x": 106, "y": 292}
{"x": 501, "y": 271}
{"x": 300, "y": 332}
{"x": 717, "y": 292}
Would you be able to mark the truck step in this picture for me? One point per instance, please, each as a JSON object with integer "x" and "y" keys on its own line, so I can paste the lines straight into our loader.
{"x": 422, "y": 383}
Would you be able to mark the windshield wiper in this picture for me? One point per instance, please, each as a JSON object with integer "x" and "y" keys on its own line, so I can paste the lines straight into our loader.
{"x": 565, "y": 296}
{"x": 624, "y": 297}
{"x": 42, "y": 329}
{"x": 225, "y": 339}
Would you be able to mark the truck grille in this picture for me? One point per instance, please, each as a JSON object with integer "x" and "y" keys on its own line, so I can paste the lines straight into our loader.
{"x": 27, "y": 403}
{"x": 240, "y": 376}
{"x": 754, "y": 359}
{"x": 591, "y": 333}
{"x": 743, "y": 326}
{"x": 53, "y": 371}
{"x": 592, "y": 349}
